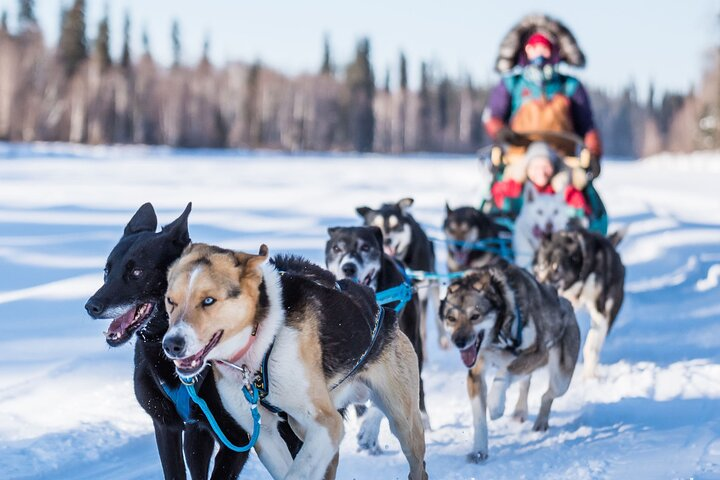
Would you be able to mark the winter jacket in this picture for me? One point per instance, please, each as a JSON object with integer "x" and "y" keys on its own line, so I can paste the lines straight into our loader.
{"x": 533, "y": 98}
{"x": 508, "y": 196}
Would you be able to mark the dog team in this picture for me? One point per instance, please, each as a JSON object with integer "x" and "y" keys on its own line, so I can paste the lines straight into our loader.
{"x": 277, "y": 348}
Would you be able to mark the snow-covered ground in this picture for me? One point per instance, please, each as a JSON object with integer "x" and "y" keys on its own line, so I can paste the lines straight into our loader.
{"x": 67, "y": 409}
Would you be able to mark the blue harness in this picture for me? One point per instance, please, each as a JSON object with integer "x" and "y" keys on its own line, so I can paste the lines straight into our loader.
{"x": 251, "y": 395}
{"x": 181, "y": 398}
{"x": 400, "y": 293}
{"x": 495, "y": 245}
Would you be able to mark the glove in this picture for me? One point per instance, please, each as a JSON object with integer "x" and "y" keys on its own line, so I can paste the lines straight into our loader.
{"x": 509, "y": 136}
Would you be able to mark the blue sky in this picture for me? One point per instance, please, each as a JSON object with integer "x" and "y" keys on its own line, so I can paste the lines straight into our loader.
{"x": 664, "y": 41}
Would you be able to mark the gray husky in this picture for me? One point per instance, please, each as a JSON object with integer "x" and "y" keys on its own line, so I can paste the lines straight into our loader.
{"x": 586, "y": 269}
{"x": 499, "y": 315}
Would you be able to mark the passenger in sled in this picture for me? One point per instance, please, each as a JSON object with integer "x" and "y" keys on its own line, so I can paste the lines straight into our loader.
{"x": 535, "y": 101}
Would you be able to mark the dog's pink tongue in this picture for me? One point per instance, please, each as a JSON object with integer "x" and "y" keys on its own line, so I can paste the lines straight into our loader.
{"x": 537, "y": 232}
{"x": 120, "y": 324}
{"x": 469, "y": 355}
{"x": 389, "y": 250}
{"x": 461, "y": 256}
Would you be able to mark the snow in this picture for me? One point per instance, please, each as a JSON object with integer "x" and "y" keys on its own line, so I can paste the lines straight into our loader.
{"x": 66, "y": 402}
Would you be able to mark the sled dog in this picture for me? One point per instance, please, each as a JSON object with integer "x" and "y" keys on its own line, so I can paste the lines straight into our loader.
{"x": 356, "y": 253}
{"x": 540, "y": 215}
{"x": 465, "y": 226}
{"x": 501, "y": 316}
{"x": 586, "y": 269}
{"x": 324, "y": 343}
{"x": 405, "y": 240}
{"x": 132, "y": 297}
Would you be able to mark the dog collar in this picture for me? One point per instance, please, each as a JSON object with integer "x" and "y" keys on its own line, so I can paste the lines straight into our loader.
{"x": 246, "y": 348}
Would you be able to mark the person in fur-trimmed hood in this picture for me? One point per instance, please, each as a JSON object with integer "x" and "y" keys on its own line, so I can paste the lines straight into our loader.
{"x": 541, "y": 167}
{"x": 534, "y": 96}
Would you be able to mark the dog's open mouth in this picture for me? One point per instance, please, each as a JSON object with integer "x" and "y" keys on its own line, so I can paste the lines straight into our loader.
{"x": 539, "y": 233}
{"x": 369, "y": 278}
{"x": 190, "y": 366}
{"x": 122, "y": 327}
{"x": 390, "y": 250}
{"x": 469, "y": 354}
{"x": 461, "y": 255}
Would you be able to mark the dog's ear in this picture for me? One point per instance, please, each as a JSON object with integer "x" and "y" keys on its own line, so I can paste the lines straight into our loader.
{"x": 377, "y": 233}
{"x": 453, "y": 287}
{"x": 496, "y": 286}
{"x": 144, "y": 220}
{"x": 178, "y": 228}
{"x": 253, "y": 262}
{"x": 405, "y": 203}
{"x": 331, "y": 230}
{"x": 448, "y": 210}
{"x": 616, "y": 237}
{"x": 363, "y": 211}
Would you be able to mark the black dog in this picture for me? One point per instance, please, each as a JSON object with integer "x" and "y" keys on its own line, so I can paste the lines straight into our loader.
{"x": 405, "y": 240}
{"x": 585, "y": 268}
{"x": 356, "y": 253}
{"x": 133, "y": 297}
{"x": 463, "y": 228}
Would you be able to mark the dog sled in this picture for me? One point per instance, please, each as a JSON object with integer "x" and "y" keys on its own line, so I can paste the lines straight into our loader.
{"x": 500, "y": 159}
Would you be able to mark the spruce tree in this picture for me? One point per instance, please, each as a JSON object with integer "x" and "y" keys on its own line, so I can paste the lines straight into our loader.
{"x": 176, "y": 46}
{"x": 102, "y": 43}
{"x": 125, "y": 59}
{"x": 361, "y": 84}
{"x": 73, "y": 42}
{"x": 403, "y": 72}
{"x": 26, "y": 14}
{"x": 4, "y": 21}
{"x": 206, "y": 49}
{"x": 387, "y": 80}
{"x": 253, "y": 120}
{"x": 425, "y": 108}
{"x": 327, "y": 66}
{"x": 443, "y": 99}
{"x": 146, "y": 41}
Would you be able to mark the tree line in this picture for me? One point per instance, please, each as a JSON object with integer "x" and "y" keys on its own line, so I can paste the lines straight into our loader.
{"x": 77, "y": 92}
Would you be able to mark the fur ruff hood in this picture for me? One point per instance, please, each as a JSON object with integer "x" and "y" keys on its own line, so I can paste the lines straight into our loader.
{"x": 512, "y": 52}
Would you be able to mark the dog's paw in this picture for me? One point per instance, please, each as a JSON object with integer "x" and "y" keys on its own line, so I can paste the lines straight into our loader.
{"x": 496, "y": 410}
{"x": 541, "y": 425}
{"x": 368, "y": 439}
{"x": 373, "y": 450}
{"x": 590, "y": 373}
{"x": 425, "y": 421}
{"x": 520, "y": 415}
{"x": 444, "y": 342}
{"x": 477, "y": 457}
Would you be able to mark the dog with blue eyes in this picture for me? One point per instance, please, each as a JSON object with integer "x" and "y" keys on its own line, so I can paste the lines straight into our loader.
{"x": 500, "y": 316}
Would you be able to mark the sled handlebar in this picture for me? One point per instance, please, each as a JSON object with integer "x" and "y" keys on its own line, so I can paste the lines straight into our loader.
{"x": 583, "y": 159}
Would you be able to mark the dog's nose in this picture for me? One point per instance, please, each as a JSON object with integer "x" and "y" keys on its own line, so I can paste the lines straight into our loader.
{"x": 94, "y": 307}
{"x": 349, "y": 269}
{"x": 461, "y": 342}
{"x": 174, "y": 346}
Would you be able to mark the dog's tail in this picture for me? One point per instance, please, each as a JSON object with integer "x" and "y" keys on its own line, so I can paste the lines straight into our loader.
{"x": 616, "y": 237}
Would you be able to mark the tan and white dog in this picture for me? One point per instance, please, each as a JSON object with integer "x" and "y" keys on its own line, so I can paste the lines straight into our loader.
{"x": 327, "y": 344}
{"x": 499, "y": 315}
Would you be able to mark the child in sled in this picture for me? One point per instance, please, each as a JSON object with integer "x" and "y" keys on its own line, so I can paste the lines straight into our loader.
{"x": 542, "y": 167}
